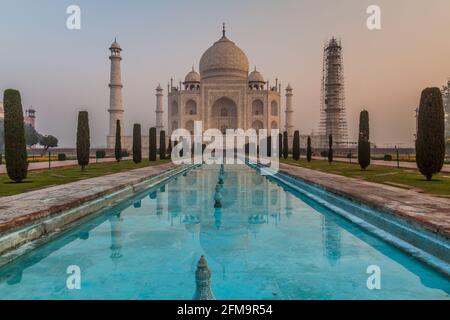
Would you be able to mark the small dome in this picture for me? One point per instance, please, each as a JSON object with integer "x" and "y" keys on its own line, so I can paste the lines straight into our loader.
{"x": 159, "y": 88}
{"x": 192, "y": 76}
{"x": 115, "y": 45}
{"x": 289, "y": 88}
{"x": 255, "y": 76}
{"x": 224, "y": 59}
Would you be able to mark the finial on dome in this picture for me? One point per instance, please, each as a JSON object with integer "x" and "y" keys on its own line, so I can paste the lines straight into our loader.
{"x": 223, "y": 29}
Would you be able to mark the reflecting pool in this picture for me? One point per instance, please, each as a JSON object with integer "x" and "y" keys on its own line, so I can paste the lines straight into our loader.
{"x": 264, "y": 241}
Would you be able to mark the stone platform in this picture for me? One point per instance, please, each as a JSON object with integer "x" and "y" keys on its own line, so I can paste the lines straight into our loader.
{"x": 26, "y": 208}
{"x": 431, "y": 213}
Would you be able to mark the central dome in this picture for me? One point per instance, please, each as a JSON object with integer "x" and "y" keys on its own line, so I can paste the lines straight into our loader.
{"x": 224, "y": 60}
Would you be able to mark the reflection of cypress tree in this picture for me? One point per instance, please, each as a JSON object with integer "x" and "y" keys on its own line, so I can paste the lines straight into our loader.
{"x": 331, "y": 240}
{"x": 116, "y": 237}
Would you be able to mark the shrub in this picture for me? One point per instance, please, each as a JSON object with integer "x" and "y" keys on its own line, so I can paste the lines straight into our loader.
{"x": 285, "y": 145}
{"x": 62, "y": 157}
{"x": 387, "y": 157}
{"x": 363, "y": 140}
{"x": 83, "y": 139}
{"x": 118, "y": 143}
{"x": 152, "y": 144}
{"x": 269, "y": 146}
{"x": 280, "y": 145}
{"x": 162, "y": 145}
{"x": 169, "y": 149}
{"x": 324, "y": 154}
{"x": 296, "y": 146}
{"x": 124, "y": 153}
{"x": 137, "y": 143}
{"x": 100, "y": 154}
{"x": 430, "y": 143}
{"x": 330, "y": 148}
{"x": 309, "y": 150}
{"x": 15, "y": 147}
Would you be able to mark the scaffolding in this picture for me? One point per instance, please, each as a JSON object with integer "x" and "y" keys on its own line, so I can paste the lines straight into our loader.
{"x": 332, "y": 114}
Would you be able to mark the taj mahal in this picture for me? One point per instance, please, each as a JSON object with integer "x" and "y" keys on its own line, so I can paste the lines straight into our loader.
{"x": 223, "y": 95}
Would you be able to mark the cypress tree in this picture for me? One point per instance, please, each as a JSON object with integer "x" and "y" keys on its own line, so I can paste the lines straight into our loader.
{"x": 118, "y": 145}
{"x": 162, "y": 145}
{"x": 363, "y": 140}
{"x": 330, "y": 148}
{"x": 15, "y": 145}
{"x": 169, "y": 149}
{"x": 285, "y": 145}
{"x": 309, "y": 150}
{"x": 280, "y": 145}
{"x": 296, "y": 146}
{"x": 83, "y": 139}
{"x": 137, "y": 143}
{"x": 430, "y": 143}
{"x": 269, "y": 146}
{"x": 152, "y": 144}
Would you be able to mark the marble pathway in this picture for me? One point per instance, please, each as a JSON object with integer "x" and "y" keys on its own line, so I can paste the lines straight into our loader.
{"x": 27, "y": 207}
{"x": 432, "y": 213}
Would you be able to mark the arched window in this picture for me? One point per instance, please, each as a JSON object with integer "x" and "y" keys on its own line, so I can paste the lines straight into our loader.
{"x": 274, "y": 108}
{"x": 174, "y": 125}
{"x": 224, "y": 112}
{"x": 257, "y": 108}
{"x": 274, "y": 125}
{"x": 191, "y": 108}
{"x": 174, "y": 108}
{"x": 273, "y": 196}
{"x": 257, "y": 125}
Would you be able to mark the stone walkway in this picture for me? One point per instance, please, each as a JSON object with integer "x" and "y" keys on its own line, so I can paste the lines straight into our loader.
{"x": 22, "y": 209}
{"x": 430, "y": 212}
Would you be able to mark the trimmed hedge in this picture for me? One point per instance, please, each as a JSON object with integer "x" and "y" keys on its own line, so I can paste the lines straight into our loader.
{"x": 83, "y": 139}
{"x": 296, "y": 146}
{"x": 137, "y": 143}
{"x": 363, "y": 140}
{"x": 118, "y": 142}
{"x": 430, "y": 143}
{"x": 15, "y": 145}
{"x": 152, "y": 144}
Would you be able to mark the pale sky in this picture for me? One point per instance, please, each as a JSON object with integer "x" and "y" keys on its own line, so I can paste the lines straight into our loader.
{"x": 60, "y": 71}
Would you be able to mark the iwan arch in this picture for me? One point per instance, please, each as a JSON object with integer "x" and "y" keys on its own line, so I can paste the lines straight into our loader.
{"x": 223, "y": 95}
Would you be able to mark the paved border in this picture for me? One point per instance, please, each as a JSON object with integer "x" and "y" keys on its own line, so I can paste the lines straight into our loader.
{"x": 20, "y": 209}
{"x": 428, "y": 212}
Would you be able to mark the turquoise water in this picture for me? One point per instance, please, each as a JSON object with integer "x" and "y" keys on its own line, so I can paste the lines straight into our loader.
{"x": 266, "y": 242}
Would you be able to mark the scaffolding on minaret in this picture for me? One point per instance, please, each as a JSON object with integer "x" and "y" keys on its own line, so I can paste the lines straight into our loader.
{"x": 332, "y": 110}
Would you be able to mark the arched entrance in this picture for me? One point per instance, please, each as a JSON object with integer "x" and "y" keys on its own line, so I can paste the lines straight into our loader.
{"x": 224, "y": 114}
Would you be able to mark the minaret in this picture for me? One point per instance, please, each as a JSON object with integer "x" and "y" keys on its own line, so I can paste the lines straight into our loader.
{"x": 289, "y": 126}
{"x": 159, "y": 111}
{"x": 115, "y": 98}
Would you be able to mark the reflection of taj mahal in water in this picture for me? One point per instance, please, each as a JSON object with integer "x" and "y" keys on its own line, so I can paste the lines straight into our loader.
{"x": 253, "y": 206}
{"x": 224, "y": 95}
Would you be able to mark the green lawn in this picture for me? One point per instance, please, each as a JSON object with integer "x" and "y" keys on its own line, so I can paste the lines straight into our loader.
{"x": 402, "y": 178}
{"x": 46, "y": 178}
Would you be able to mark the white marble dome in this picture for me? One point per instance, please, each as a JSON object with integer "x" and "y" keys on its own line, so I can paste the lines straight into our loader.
{"x": 192, "y": 76}
{"x": 255, "y": 76}
{"x": 224, "y": 60}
